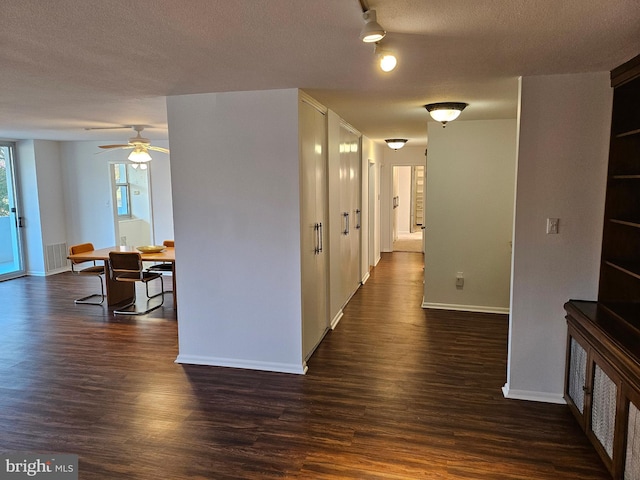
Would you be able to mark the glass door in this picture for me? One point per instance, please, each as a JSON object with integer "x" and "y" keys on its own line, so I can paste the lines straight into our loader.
{"x": 11, "y": 251}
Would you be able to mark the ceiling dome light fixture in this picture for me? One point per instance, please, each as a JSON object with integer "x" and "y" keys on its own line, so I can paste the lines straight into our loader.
{"x": 396, "y": 143}
{"x": 445, "y": 111}
{"x": 388, "y": 60}
{"x": 372, "y": 31}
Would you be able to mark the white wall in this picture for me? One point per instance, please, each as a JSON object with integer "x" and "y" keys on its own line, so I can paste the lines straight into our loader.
{"x": 87, "y": 187}
{"x": 235, "y": 181}
{"x": 28, "y": 185}
{"x": 40, "y": 181}
{"x": 406, "y": 156}
{"x": 562, "y": 161}
{"x": 469, "y": 214}
{"x": 371, "y": 162}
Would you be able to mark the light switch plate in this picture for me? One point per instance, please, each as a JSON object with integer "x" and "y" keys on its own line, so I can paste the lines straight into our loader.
{"x": 552, "y": 226}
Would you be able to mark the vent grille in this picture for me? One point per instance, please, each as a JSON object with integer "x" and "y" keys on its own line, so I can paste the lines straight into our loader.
{"x": 56, "y": 257}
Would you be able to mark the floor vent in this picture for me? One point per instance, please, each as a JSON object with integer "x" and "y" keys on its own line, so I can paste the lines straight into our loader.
{"x": 56, "y": 256}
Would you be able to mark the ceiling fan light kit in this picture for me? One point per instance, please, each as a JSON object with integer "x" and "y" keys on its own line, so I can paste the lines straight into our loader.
{"x": 372, "y": 31}
{"x": 140, "y": 146}
{"x": 139, "y": 155}
{"x": 445, "y": 112}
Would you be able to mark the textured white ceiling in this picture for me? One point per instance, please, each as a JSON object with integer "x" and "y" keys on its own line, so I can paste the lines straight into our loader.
{"x": 70, "y": 64}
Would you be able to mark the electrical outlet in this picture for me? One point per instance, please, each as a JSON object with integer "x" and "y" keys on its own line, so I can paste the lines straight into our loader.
{"x": 459, "y": 280}
{"x": 552, "y": 226}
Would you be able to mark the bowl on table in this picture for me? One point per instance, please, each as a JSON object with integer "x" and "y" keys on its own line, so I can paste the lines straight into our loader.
{"x": 151, "y": 248}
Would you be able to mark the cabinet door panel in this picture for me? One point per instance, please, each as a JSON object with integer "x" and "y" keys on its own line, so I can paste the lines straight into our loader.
{"x": 603, "y": 409}
{"x": 632, "y": 458}
{"x": 577, "y": 374}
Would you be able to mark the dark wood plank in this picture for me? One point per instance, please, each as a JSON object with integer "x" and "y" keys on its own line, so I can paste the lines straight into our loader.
{"x": 395, "y": 392}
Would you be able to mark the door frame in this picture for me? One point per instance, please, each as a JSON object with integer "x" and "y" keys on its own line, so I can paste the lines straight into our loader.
{"x": 15, "y": 215}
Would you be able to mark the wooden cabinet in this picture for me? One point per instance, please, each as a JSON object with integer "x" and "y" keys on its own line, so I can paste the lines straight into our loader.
{"x": 619, "y": 287}
{"x": 603, "y": 384}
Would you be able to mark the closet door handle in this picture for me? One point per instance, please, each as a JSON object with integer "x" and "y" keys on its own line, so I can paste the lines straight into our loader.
{"x": 320, "y": 237}
{"x": 346, "y": 223}
{"x": 316, "y": 248}
{"x": 359, "y": 215}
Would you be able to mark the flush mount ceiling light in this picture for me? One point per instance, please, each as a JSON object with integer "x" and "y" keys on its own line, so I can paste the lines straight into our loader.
{"x": 396, "y": 143}
{"x": 445, "y": 111}
{"x": 388, "y": 60}
{"x": 372, "y": 31}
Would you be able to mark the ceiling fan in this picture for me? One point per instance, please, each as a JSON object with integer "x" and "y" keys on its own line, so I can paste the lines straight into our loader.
{"x": 140, "y": 146}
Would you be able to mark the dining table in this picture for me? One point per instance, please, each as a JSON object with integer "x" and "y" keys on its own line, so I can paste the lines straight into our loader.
{"x": 121, "y": 292}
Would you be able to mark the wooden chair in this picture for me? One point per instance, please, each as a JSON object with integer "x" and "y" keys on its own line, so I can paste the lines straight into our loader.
{"x": 127, "y": 267}
{"x": 93, "y": 269}
{"x": 165, "y": 267}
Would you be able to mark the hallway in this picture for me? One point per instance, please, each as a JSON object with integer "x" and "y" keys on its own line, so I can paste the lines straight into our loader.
{"x": 395, "y": 392}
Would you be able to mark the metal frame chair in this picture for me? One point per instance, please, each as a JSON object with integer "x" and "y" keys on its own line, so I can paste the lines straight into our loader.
{"x": 93, "y": 270}
{"x": 164, "y": 267}
{"x": 127, "y": 267}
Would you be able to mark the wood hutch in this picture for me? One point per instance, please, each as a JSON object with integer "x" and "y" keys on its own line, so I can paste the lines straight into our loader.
{"x": 602, "y": 385}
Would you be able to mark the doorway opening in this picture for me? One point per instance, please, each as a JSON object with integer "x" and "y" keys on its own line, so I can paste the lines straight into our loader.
{"x": 408, "y": 208}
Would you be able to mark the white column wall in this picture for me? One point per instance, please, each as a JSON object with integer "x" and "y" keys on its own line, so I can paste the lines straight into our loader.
{"x": 235, "y": 180}
{"x": 470, "y": 182}
{"x": 562, "y": 161}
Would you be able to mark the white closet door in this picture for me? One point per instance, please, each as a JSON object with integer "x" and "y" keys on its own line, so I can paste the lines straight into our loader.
{"x": 313, "y": 226}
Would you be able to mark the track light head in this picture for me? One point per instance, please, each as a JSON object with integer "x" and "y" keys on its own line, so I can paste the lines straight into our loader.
{"x": 372, "y": 31}
{"x": 388, "y": 60}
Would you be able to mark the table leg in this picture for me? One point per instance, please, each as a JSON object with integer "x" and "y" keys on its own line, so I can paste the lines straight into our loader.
{"x": 118, "y": 292}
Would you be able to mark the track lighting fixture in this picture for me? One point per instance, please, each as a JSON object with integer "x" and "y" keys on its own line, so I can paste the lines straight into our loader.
{"x": 388, "y": 60}
{"x": 372, "y": 31}
{"x": 445, "y": 111}
{"x": 396, "y": 143}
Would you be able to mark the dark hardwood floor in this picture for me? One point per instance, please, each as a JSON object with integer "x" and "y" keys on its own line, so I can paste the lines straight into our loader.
{"x": 395, "y": 392}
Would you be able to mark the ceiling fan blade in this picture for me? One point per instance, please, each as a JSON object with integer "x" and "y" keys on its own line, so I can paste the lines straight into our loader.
{"x": 118, "y": 127}
{"x": 115, "y": 146}
{"x": 158, "y": 149}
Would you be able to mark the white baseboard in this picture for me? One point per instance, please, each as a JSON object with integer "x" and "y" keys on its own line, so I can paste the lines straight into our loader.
{"x": 365, "y": 278}
{"x": 239, "y": 363}
{"x": 36, "y": 273}
{"x": 465, "y": 308}
{"x": 336, "y": 319}
{"x": 532, "y": 396}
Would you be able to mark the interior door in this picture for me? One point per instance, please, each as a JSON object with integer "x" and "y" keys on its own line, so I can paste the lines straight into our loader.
{"x": 11, "y": 246}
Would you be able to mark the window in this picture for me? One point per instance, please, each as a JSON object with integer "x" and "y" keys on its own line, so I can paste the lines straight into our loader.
{"x": 121, "y": 184}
